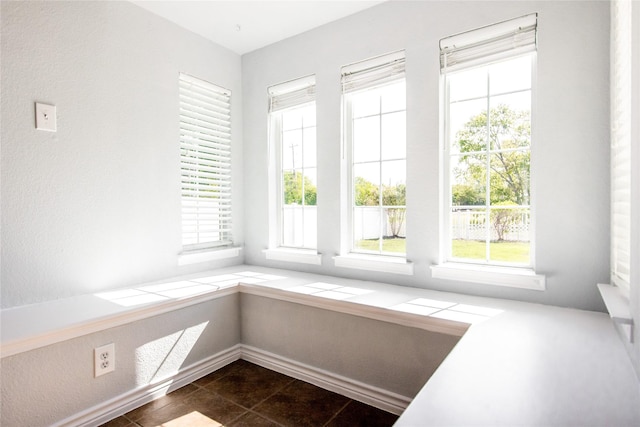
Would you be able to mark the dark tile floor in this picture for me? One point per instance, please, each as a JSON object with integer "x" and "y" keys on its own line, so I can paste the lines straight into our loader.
{"x": 244, "y": 394}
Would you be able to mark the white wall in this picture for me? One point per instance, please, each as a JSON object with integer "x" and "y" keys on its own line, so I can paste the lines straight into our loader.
{"x": 392, "y": 357}
{"x": 96, "y": 205}
{"x": 570, "y": 155}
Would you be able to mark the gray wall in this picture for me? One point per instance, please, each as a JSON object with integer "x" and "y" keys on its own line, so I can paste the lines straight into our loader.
{"x": 51, "y": 383}
{"x": 96, "y": 205}
{"x": 392, "y": 357}
{"x": 570, "y": 154}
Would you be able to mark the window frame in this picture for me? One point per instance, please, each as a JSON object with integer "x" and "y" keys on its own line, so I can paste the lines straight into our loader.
{"x": 387, "y": 70}
{"x": 291, "y": 95}
{"x": 446, "y": 246}
{"x": 276, "y": 121}
{"x": 482, "y": 46}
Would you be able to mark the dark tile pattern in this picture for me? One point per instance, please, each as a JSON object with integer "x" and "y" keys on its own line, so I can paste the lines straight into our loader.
{"x": 243, "y": 394}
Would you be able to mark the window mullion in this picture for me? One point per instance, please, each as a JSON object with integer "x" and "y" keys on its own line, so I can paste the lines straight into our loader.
{"x": 488, "y": 177}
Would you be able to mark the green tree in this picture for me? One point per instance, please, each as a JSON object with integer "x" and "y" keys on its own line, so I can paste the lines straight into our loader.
{"x": 293, "y": 189}
{"x": 505, "y": 129}
{"x": 467, "y": 195}
{"x": 366, "y": 193}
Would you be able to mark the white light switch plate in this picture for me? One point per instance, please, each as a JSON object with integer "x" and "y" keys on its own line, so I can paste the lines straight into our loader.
{"x": 45, "y": 117}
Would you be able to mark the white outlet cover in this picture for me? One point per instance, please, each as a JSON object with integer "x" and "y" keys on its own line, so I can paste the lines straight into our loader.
{"x": 45, "y": 117}
{"x": 104, "y": 359}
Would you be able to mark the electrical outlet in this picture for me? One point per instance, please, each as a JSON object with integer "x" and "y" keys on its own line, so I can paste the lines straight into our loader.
{"x": 104, "y": 359}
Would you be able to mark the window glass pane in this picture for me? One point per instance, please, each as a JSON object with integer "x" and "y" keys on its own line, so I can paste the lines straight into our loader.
{"x": 510, "y": 178}
{"x": 309, "y": 148}
{"x": 366, "y": 228}
{"x": 468, "y": 180}
{"x": 292, "y": 187}
{"x": 468, "y": 84}
{"x": 511, "y": 76}
{"x": 393, "y": 97}
{"x": 395, "y": 231}
{"x": 292, "y": 149}
{"x": 509, "y": 235}
{"x": 511, "y": 121}
{"x": 366, "y": 139}
{"x": 292, "y": 225}
{"x": 394, "y": 136}
{"x": 308, "y": 115}
{"x": 468, "y": 233}
{"x": 292, "y": 119}
{"x": 365, "y": 103}
{"x": 393, "y": 183}
{"x": 310, "y": 226}
{"x": 310, "y": 186}
{"x": 468, "y": 126}
{"x": 366, "y": 179}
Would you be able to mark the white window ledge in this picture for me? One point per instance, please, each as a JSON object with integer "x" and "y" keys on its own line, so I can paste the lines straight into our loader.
{"x": 302, "y": 256}
{"x": 618, "y": 307}
{"x": 381, "y": 263}
{"x": 194, "y": 257}
{"x": 522, "y": 278}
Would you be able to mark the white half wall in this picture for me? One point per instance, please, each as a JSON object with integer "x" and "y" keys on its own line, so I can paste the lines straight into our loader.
{"x": 96, "y": 205}
{"x": 570, "y": 158}
{"x": 41, "y": 387}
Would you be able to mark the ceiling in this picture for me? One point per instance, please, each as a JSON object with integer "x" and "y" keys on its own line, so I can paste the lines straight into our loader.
{"x": 246, "y": 25}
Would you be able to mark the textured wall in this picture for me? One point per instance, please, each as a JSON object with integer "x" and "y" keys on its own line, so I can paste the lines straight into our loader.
{"x": 51, "y": 383}
{"x": 395, "y": 358}
{"x": 96, "y": 205}
{"x": 570, "y": 158}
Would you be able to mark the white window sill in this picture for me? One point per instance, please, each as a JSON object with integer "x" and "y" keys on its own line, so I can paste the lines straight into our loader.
{"x": 522, "y": 278}
{"x": 381, "y": 263}
{"x": 618, "y": 307}
{"x": 302, "y": 256}
{"x": 204, "y": 255}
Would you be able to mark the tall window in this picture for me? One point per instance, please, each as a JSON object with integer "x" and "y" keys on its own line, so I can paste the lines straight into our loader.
{"x": 488, "y": 82}
{"x": 205, "y": 163}
{"x": 375, "y": 137}
{"x": 293, "y": 133}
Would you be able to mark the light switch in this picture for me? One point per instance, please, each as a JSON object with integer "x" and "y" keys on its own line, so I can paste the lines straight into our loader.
{"x": 45, "y": 117}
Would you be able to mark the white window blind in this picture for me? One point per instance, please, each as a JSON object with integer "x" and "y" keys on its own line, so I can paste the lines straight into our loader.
{"x": 373, "y": 72}
{"x": 205, "y": 163}
{"x": 292, "y": 93}
{"x": 490, "y": 43}
{"x": 621, "y": 143}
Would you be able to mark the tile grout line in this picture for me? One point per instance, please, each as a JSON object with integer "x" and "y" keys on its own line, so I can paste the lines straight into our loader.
{"x": 338, "y": 412}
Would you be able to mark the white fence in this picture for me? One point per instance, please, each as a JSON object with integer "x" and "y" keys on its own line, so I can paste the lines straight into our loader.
{"x": 300, "y": 225}
{"x": 472, "y": 225}
{"x": 366, "y": 223}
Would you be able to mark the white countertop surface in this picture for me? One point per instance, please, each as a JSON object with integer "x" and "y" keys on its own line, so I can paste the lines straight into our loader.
{"x": 532, "y": 365}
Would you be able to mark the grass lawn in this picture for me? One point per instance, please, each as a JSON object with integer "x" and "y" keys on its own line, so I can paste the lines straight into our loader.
{"x": 500, "y": 251}
{"x": 388, "y": 245}
{"x": 517, "y": 252}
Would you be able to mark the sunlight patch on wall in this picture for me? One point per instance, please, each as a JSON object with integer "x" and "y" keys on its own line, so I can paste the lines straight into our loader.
{"x": 164, "y": 357}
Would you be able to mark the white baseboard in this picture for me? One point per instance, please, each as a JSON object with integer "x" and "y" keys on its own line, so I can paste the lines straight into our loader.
{"x": 113, "y": 408}
{"x": 129, "y": 401}
{"x": 356, "y": 390}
